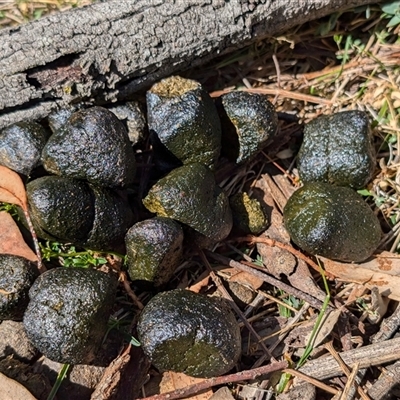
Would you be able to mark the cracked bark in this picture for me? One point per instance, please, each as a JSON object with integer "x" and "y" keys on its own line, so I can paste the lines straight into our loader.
{"x": 109, "y": 50}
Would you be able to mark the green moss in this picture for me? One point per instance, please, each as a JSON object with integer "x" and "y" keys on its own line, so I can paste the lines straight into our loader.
{"x": 332, "y": 221}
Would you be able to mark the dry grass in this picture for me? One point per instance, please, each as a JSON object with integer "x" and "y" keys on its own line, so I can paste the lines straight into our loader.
{"x": 13, "y": 13}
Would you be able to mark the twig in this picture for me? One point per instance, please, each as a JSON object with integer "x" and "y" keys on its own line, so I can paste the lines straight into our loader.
{"x": 269, "y": 279}
{"x": 127, "y": 287}
{"x": 388, "y": 326}
{"x": 389, "y": 378}
{"x": 351, "y": 385}
{"x": 227, "y": 296}
{"x": 40, "y": 265}
{"x": 279, "y": 92}
{"x": 345, "y": 369}
{"x": 371, "y": 355}
{"x": 391, "y": 375}
{"x": 208, "y": 383}
{"x": 313, "y": 381}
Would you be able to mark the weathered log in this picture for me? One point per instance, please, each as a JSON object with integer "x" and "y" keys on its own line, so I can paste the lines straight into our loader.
{"x": 109, "y": 50}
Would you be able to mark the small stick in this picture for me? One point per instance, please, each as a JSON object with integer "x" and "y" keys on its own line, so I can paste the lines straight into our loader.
{"x": 351, "y": 384}
{"x": 313, "y": 381}
{"x": 371, "y": 355}
{"x": 122, "y": 278}
{"x": 221, "y": 380}
{"x": 345, "y": 368}
{"x": 390, "y": 377}
{"x": 269, "y": 279}
{"x": 388, "y": 326}
{"x": 40, "y": 265}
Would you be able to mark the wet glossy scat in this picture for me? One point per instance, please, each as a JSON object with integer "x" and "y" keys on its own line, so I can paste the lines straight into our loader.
{"x": 184, "y": 118}
{"x": 187, "y": 332}
{"x": 154, "y": 248}
{"x": 68, "y": 311}
{"x": 248, "y": 121}
{"x": 21, "y": 145}
{"x": 93, "y": 145}
{"x": 337, "y": 149}
{"x": 190, "y": 195}
{"x": 16, "y": 277}
{"x": 61, "y": 208}
{"x": 248, "y": 214}
{"x": 332, "y": 221}
{"x": 74, "y": 211}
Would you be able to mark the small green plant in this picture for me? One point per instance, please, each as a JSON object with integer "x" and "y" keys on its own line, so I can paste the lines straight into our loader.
{"x": 12, "y": 209}
{"x": 291, "y": 301}
{"x": 68, "y": 256}
{"x": 391, "y": 11}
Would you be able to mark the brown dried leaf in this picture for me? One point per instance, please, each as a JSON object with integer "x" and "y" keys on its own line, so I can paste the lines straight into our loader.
{"x": 11, "y": 240}
{"x": 12, "y": 189}
{"x": 244, "y": 278}
{"x": 175, "y": 380}
{"x": 12, "y": 390}
{"x": 382, "y": 271}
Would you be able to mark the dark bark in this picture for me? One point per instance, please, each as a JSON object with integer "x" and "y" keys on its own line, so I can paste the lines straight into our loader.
{"x": 109, "y": 50}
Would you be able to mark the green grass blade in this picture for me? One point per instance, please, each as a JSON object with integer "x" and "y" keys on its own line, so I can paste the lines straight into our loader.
{"x": 60, "y": 377}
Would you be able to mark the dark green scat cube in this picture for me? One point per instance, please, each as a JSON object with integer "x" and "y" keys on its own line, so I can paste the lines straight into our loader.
{"x": 154, "y": 250}
{"x": 337, "y": 149}
{"x": 67, "y": 315}
{"x": 190, "y": 195}
{"x": 248, "y": 120}
{"x": 16, "y": 277}
{"x": 61, "y": 208}
{"x": 248, "y": 214}
{"x": 332, "y": 221}
{"x": 187, "y": 332}
{"x": 92, "y": 145}
{"x": 112, "y": 218}
{"x": 21, "y": 146}
{"x": 184, "y": 118}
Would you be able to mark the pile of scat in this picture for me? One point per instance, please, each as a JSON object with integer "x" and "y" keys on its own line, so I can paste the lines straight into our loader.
{"x": 85, "y": 195}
